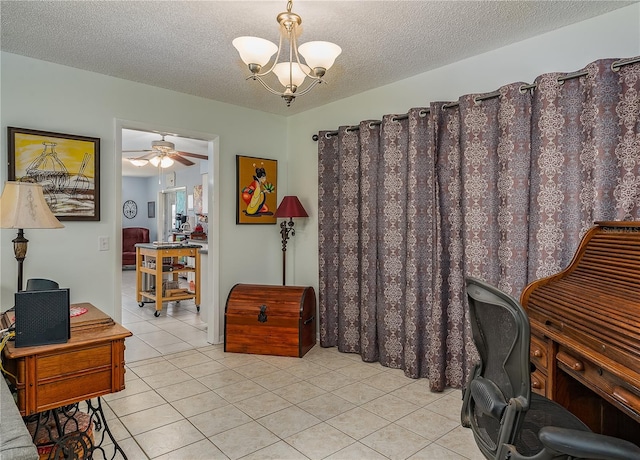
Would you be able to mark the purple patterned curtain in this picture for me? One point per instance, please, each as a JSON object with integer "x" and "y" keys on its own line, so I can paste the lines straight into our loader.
{"x": 447, "y": 341}
{"x": 586, "y": 155}
{"x": 499, "y": 188}
{"x": 328, "y": 237}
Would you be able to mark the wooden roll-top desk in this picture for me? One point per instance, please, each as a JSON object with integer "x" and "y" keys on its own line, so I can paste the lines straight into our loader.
{"x": 585, "y": 331}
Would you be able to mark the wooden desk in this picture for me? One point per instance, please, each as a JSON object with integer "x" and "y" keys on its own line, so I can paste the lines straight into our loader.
{"x": 599, "y": 392}
{"x": 585, "y": 332}
{"x": 89, "y": 365}
{"x": 151, "y": 259}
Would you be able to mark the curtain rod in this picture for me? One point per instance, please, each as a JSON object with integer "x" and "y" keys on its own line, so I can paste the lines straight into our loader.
{"x": 615, "y": 66}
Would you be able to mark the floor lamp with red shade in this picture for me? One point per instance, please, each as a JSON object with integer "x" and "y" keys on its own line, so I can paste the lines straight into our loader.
{"x": 290, "y": 207}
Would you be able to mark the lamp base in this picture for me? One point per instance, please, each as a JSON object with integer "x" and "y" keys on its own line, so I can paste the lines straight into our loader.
{"x": 20, "y": 252}
{"x": 286, "y": 230}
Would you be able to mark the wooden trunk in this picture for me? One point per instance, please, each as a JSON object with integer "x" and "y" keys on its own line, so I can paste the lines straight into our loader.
{"x": 270, "y": 320}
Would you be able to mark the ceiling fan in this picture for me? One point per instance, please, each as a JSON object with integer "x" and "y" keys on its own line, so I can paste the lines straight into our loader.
{"x": 162, "y": 154}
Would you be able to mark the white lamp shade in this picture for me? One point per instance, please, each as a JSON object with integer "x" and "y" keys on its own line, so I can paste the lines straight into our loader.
{"x": 138, "y": 162}
{"x": 254, "y": 50}
{"x": 22, "y": 205}
{"x": 319, "y": 54}
{"x": 166, "y": 162}
{"x": 297, "y": 74}
{"x": 163, "y": 161}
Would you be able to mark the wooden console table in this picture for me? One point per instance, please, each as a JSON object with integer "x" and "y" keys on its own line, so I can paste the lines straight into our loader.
{"x": 91, "y": 364}
{"x": 159, "y": 260}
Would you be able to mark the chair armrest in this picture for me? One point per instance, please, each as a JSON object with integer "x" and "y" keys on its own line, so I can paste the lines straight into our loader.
{"x": 488, "y": 397}
{"x": 584, "y": 444}
{"x": 466, "y": 397}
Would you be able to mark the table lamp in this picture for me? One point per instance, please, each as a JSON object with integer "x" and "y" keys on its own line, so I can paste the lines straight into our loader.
{"x": 289, "y": 207}
{"x": 22, "y": 205}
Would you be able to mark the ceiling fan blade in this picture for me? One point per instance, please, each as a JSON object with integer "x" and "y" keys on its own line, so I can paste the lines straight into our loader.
{"x": 148, "y": 156}
{"x": 181, "y": 159}
{"x": 192, "y": 155}
{"x": 136, "y": 151}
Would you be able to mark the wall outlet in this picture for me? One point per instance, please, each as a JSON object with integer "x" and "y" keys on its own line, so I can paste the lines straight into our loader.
{"x": 103, "y": 243}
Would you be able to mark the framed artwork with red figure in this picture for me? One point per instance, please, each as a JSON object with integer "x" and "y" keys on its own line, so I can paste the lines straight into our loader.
{"x": 256, "y": 187}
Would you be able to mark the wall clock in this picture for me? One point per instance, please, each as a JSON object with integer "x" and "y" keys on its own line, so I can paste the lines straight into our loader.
{"x": 130, "y": 209}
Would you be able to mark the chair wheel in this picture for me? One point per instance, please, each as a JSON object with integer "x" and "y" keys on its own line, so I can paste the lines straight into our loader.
{"x": 156, "y": 313}
{"x": 198, "y": 307}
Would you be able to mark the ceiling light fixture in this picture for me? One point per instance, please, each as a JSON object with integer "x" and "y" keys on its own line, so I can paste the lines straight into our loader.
{"x": 138, "y": 162}
{"x": 318, "y": 57}
{"x": 163, "y": 161}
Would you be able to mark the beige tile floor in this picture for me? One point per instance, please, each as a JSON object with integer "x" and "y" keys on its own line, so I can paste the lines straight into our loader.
{"x": 186, "y": 399}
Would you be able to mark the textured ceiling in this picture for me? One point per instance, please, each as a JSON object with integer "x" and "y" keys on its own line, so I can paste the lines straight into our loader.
{"x": 186, "y": 46}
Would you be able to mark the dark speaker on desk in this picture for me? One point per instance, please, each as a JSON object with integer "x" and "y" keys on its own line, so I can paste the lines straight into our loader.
{"x": 42, "y": 317}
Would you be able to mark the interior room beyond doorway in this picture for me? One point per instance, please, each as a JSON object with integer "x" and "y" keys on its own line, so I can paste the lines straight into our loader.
{"x": 146, "y": 180}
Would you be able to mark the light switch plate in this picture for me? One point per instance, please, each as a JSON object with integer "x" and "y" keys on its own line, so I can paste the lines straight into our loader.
{"x": 103, "y": 243}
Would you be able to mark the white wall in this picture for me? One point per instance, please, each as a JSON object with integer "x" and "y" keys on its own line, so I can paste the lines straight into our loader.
{"x": 50, "y": 97}
{"x": 136, "y": 189}
{"x": 609, "y": 36}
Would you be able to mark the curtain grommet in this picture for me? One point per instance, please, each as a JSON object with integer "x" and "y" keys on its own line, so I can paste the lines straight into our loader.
{"x": 526, "y": 88}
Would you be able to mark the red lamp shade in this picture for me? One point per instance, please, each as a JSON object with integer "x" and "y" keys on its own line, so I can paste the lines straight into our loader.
{"x": 290, "y": 206}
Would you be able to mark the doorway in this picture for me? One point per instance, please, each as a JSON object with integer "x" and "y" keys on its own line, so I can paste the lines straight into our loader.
{"x": 173, "y": 216}
{"x": 164, "y": 180}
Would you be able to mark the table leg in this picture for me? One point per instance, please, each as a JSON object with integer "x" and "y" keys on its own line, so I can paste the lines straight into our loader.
{"x": 100, "y": 423}
{"x": 68, "y": 432}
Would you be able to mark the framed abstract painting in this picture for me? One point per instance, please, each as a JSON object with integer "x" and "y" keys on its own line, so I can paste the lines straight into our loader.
{"x": 67, "y": 166}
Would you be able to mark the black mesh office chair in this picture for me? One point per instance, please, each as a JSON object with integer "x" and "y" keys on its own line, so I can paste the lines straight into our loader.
{"x": 41, "y": 284}
{"x": 507, "y": 419}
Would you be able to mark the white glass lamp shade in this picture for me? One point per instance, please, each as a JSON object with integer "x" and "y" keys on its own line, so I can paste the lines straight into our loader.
{"x": 319, "y": 54}
{"x": 138, "y": 162}
{"x": 163, "y": 161}
{"x": 254, "y": 50}
{"x": 166, "y": 162}
{"x": 297, "y": 74}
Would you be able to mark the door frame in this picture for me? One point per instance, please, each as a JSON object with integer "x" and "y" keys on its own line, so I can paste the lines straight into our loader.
{"x": 211, "y": 289}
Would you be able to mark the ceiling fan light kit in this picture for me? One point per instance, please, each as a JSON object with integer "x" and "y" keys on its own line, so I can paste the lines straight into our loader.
{"x": 319, "y": 56}
{"x": 138, "y": 162}
{"x": 163, "y": 154}
{"x": 163, "y": 146}
{"x": 163, "y": 161}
